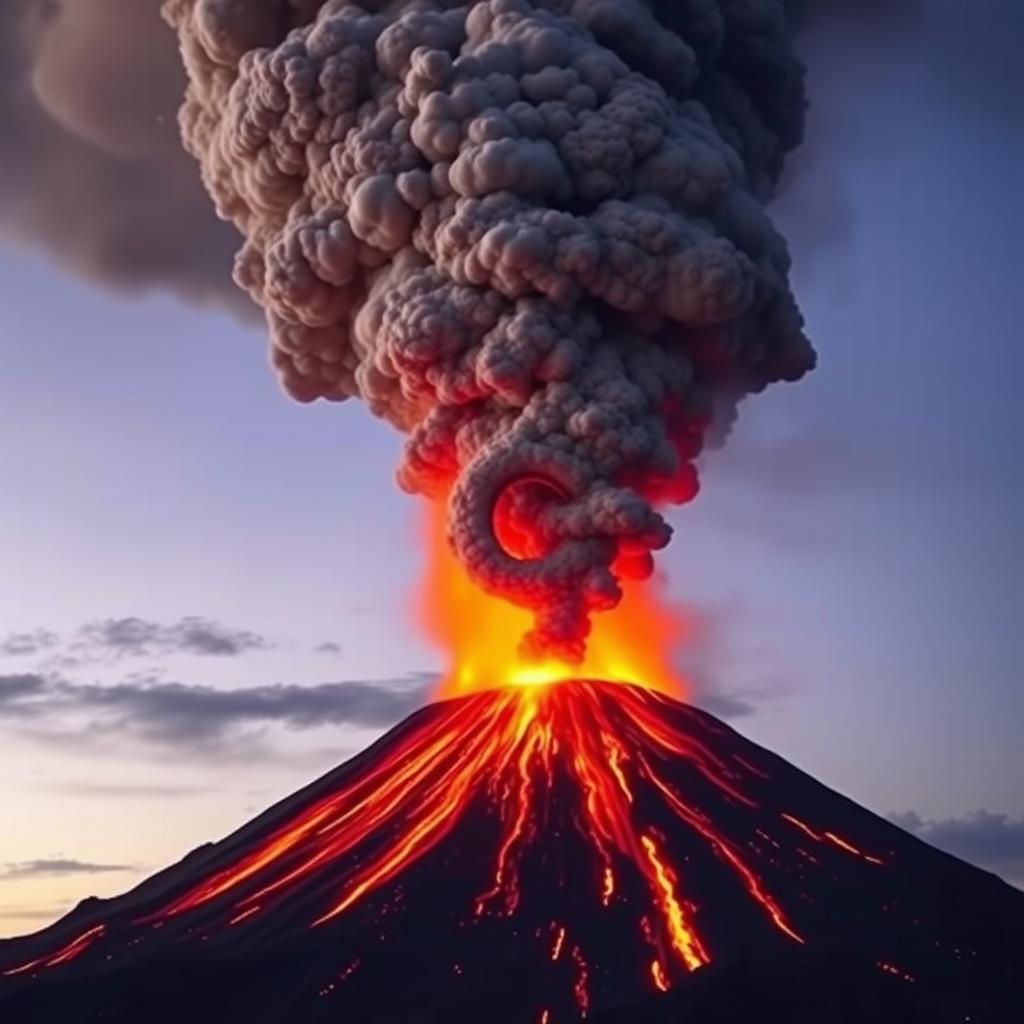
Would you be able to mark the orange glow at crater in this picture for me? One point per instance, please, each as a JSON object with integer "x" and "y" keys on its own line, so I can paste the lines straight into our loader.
{"x": 479, "y": 634}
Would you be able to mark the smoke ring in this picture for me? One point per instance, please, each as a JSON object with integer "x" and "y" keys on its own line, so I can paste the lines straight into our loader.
{"x": 568, "y": 582}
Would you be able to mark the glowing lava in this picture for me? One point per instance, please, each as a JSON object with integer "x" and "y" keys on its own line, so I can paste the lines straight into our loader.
{"x": 480, "y": 634}
{"x": 601, "y": 758}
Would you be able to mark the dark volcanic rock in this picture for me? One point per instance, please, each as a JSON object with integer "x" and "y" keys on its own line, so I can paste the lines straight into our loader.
{"x": 799, "y": 905}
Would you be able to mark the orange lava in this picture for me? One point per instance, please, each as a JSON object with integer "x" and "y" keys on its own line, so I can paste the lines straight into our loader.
{"x": 608, "y": 755}
{"x": 63, "y": 956}
{"x": 508, "y": 746}
{"x": 479, "y": 634}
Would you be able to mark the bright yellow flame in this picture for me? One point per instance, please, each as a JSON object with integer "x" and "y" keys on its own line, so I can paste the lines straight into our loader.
{"x": 480, "y": 634}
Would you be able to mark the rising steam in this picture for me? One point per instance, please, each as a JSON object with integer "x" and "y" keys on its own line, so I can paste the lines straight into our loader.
{"x": 528, "y": 233}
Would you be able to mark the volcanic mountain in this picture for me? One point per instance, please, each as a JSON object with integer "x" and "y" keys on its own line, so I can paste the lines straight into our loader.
{"x": 543, "y": 855}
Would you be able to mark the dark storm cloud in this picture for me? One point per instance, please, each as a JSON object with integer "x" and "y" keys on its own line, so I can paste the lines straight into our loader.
{"x": 17, "y": 645}
{"x": 992, "y": 841}
{"x": 92, "y": 170}
{"x": 58, "y": 867}
{"x": 201, "y": 717}
{"x": 135, "y": 637}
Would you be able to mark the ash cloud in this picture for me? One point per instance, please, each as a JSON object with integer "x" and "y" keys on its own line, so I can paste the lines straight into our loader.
{"x": 92, "y": 171}
{"x": 990, "y": 840}
{"x": 530, "y": 234}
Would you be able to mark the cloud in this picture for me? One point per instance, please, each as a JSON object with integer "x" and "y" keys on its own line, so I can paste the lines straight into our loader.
{"x": 134, "y": 637}
{"x": 878, "y": 14}
{"x": 181, "y": 714}
{"x": 725, "y": 706}
{"x": 93, "y": 170}
{"x": 17, "y": 645}
{"x": 992, "y": 841}
{"x": 125, "y": 791}
{"x": 712, "y": 651}
{"x": 59, "y": 867}
{"x": 22, "y": 696}
{"x": 805, "y": 459}
{"x": 932, "y": 55}
{"x": 202, "y": 718}
{"x": 330, "y": 647}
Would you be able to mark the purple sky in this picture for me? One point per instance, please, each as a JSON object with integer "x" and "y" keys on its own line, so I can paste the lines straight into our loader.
{"x": 856, "y": 552}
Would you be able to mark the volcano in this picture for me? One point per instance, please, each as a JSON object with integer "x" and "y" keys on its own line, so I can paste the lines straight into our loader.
{"x": 543, "y": 855}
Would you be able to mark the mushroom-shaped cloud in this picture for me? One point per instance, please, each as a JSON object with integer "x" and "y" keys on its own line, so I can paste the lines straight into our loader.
{"x": 528, "y": 233}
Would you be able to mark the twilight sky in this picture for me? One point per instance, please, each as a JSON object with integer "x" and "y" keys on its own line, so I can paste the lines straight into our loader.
{"x": 204, "y": 589}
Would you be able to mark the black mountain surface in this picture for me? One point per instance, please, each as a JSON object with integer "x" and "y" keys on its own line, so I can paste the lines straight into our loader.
{"x": 543, "y": 856}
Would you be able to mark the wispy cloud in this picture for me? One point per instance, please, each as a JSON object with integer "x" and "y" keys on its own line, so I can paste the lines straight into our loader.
{"x": 59, "y": 867}
{"x": 111, "y": 640}
{"x": 807, "y": 459}
{"x": 135, "y": 637}
{"x": 127, "y": 791}
{"x": 18, "y": 687}
{"x": 20, "y": 645}
{"x": 990, "y": 840}
{"x": 714, "y": 650}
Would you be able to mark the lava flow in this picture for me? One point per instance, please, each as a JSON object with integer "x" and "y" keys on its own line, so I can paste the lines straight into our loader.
{"x": 544, "y": 850}
{"x": 512, "y": 745}
{"x": 600, "y": 757}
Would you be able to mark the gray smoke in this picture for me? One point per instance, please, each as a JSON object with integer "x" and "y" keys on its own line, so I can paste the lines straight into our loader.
{"x": 91, "y": 168}
{"x": 528, "y": 233}
{"x": 92, "y": 171}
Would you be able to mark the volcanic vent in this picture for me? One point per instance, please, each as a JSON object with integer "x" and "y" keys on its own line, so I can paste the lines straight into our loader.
{"x": 535, "y": 854}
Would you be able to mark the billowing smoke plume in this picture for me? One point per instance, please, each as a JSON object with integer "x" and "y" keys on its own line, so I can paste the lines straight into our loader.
{"x": 528, "y": 233}
{"x": 91, "y": 165}
{"x": 92, "y": 171}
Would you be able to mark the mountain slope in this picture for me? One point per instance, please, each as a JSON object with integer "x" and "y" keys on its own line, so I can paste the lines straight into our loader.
{"x": 542, "y": 855}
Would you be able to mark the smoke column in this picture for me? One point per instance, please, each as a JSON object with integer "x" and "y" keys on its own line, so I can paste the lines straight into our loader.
{"x": 530, "y": 234}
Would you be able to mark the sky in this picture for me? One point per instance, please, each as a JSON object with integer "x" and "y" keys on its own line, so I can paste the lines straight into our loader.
{"x": 206, "y": 589}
